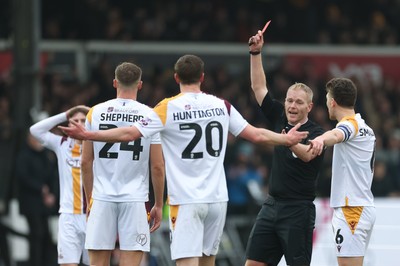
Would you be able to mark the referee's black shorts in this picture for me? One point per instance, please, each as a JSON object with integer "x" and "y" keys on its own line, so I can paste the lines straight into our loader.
{"x": 283, "y": 227}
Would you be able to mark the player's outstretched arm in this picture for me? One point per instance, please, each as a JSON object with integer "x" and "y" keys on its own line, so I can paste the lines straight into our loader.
{"x": 264, "y": 136}
{"x": 122, "y": 134}
{"x": 329, "y": 138}
{"x": 302, "y": 152}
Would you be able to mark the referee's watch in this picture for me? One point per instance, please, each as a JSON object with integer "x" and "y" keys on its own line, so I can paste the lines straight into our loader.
{"x": 254, "y": 52}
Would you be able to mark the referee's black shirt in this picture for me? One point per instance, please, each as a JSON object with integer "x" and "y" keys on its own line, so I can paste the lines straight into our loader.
{"x": 290, "y": 177}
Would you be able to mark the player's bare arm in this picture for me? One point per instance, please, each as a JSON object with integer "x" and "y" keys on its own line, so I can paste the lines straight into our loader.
{"x": 87, "y": 170}
{"x": 329, "y": 138}
{"x": 267, "y": 137}
{"x": 122, "y": 134}
{"x": 294, "y": 136}
{"x": 302, "y": 152}
{"x": 158, "y": 180}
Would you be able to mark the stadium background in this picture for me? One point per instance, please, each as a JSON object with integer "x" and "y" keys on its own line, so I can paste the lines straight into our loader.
{"x": 56, "y": 54}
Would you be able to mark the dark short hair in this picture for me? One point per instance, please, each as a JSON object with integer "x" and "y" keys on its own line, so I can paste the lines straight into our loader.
{"x": 128, "y": 74}
{"x": 189, "y": 69}
{"x": 343, "y": 90}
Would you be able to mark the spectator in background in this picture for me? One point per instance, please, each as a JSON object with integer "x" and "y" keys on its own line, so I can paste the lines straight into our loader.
{"x": 244, "y": 182}
{"x": 330, "y": 22}
{"x": 383, "y": 184}
{"x": 243, "y": 179}
{"x": 36, "y": 172}
{"x": 5, "y": 119}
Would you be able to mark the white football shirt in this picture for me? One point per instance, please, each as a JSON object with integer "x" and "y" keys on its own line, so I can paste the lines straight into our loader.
{"x": 194, "y": 130}
{"x": 68, "y": 154}
{"x": 353, "y": 164}
{"x": 121, "y": 170}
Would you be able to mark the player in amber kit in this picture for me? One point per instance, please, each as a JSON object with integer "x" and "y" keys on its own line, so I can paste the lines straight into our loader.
{"x": 352, "y": 171}
{"x": 72, "y": 220}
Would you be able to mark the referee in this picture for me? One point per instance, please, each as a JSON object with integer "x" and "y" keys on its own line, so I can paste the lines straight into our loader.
{"x": 285, "y": 223}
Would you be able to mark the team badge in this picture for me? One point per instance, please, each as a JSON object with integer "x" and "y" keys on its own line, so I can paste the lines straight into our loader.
{"x": 141, "y": 239}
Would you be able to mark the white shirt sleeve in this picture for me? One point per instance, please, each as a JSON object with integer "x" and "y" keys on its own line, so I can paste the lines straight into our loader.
{"x": 237, "y": 123}
{"x": 149, "y": 125}
{"x": 41, "y": 130}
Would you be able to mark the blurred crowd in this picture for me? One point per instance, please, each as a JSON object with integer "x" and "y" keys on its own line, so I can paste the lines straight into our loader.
{"x": 295, "y": 21}
{"x": 378, "y": 103}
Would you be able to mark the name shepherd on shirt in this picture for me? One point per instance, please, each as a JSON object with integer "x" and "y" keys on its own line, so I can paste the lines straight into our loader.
{"x": 196, "y": 114}
{"x": 120, "y": 117}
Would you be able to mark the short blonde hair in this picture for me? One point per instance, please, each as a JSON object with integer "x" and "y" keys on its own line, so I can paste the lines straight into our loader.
{"x": 305, "y": 88}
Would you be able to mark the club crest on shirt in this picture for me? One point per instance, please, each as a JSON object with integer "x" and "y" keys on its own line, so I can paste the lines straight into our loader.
{"x": 173, "y": 220}
{"x": 145, "y": 121}
{"x": 353, "y": 225}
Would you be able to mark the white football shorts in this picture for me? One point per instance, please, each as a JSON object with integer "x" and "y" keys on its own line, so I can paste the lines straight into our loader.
{"x": 126, "y": 220}
{"x": 71, "y": 239}
{"x": 352, "y": 228}
{"x": 196, "y": 229}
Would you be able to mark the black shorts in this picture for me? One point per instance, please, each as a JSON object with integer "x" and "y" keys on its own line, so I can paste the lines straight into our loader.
{"x": 283, "y": 228}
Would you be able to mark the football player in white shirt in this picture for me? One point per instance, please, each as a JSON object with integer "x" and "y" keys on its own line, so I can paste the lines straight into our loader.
{"x": 116, "y": 177}
{"x": 194, "y": 129}
{"x": 352, "y": 172}
{"x": 72, "y": 220}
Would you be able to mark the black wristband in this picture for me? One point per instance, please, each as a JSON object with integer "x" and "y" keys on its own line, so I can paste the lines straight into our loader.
{"x": 254, "y": 52}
